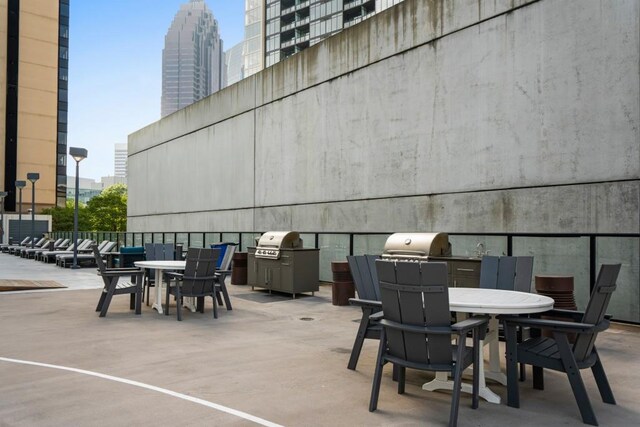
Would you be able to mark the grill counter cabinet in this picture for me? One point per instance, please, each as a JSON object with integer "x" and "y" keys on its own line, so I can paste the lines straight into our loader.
{"x": 463, "y": 272}
{"x": 296, "y": 271}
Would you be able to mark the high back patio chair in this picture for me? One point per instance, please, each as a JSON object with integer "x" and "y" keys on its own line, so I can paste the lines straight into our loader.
{"x": 365, "y": 279}
{"x": 156, "y": 252}
{"x": 557, "y": 353}
{"x": 113, "y": 286}
{"x": 223, "y": 269}
{"x": 198, "y": 280}
{"x": 417, "y": 331}
{"x": 510, "y": 273}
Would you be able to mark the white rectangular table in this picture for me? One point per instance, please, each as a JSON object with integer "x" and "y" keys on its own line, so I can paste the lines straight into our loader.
{"x": 491, "y": 302}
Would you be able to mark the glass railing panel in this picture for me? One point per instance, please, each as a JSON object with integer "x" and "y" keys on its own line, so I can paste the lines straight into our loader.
{"x": 308, "y": 240}
{"x": 196, "y": 240}
{"x": 333, "y": 247}
{"x": 248, "y": 239}
{"x": 369, "y": 244}
{"x": 169, "y": 237}
{"x": 137, "y": 239}
{"x": 559, "y": 256}
{"x": 183, "y": 239}
{"x": 158, "y": 238}
{"x": 231, "y": 237}
{"x": 625, "y": 301}
{"x": 211, "y": 238}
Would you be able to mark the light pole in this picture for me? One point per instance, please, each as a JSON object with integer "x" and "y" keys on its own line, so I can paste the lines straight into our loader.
{"x": 3, "y": 194}
{"x": 33, "y": 177}
{"x": 78, "y": 154}
{"x": 20, "y": 185}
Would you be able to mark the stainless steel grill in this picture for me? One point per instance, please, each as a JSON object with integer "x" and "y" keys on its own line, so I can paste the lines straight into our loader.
{"x": 271, "y": 242}
{"x": 417, "y": 246}
{"x": 280, "y": 263}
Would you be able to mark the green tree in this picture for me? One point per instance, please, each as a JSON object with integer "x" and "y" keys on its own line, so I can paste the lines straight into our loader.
{"x": 108, "y": 210}
{"x": 62, "y": 218}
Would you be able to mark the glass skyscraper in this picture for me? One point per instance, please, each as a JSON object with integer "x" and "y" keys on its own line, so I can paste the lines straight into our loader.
{"x": 294, "y": 25}
{"x": 192, "y": 59}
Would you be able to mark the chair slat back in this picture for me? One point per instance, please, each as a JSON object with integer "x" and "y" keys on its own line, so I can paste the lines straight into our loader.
{"x": 110, "y": 246}
{"x": 596, "y": 308}
{"x": 199, "y": 263}
{"x": 416, "y": 294}
{"x": 165, "y": 251}
{"x": 506, "y": 272}
{"x": 365, "y": 276}
{"x": 98, "y": 256}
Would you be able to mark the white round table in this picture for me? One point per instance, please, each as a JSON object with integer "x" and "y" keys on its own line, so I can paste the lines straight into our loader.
{"x": 159, "y": 267}
{"x": 491, "y": 302}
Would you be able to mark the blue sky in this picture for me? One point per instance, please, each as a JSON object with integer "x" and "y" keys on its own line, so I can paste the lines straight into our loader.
{"x": 115, "y": 70}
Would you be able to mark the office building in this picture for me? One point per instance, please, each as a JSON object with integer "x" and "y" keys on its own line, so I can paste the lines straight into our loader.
{"x": 294, "y": 25}
{"x": 234, "y": 64}
{"x": 192, "y": 58}
{"x": 34, "y": 59}
{"x": 120, "y": 160}
{"x": 253, "y": 51}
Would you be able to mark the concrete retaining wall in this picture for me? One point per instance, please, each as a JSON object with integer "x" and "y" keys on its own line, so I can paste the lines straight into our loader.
{"x": 447, "y": 115}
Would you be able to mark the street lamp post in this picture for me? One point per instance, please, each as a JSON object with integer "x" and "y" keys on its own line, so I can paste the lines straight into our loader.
{"x": 33, "y": 177}
{"x": 78, "y": 154}
{"x": 3, "y": 194}
{"x": 20, "y": 185}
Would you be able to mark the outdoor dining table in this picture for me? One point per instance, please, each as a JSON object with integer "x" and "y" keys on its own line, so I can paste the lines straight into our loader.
{"x": 160, "y": 266}
{"x": 492, "y": 302}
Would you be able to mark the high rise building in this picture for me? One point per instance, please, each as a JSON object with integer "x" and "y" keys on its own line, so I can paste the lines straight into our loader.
{"x": 192, "y": 58}
{"x": 253, "y": 52}
{"x": 34, "y": 59}
{"x": 289, "y": 26}
{"x": 234, "y": 64}
{"x": 120, "y": 160}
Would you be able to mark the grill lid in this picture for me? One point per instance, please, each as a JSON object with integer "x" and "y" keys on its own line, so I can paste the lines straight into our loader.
{"x": 280, "y": 239}
{"x": 271, "y": 242}
{"x": 416, "y": 245}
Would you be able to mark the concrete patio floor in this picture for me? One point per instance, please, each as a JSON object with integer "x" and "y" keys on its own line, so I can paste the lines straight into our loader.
{"x": 278, "y": 359}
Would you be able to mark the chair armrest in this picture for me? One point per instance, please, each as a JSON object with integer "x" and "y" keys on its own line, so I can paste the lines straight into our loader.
{"x": 173, "y": 274}
{"x": 376, "y": 317}
{"x": 118, "y": 273}
{"x": 474, "y": 322}
{"x": 555, "y": 325}
{"x": 438, "y": 330}
{"x": 198, "y": 279}
{"x": 223, "y": 272}
{"x": 365, "y": 303}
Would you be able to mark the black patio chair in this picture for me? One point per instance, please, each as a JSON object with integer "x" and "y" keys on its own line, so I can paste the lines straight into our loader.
{"x": 113, "y": 286}
{"x": 198, "y": 280}
{"x": 511, "y": 273}
{"x": 365, "y": 279}
{"x": 156, "y": 252}
{"x": 417, "y": 331}
{"x": 558, "y": 353}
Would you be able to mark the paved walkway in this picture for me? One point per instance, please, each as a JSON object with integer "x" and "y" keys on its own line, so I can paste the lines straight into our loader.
{"x": 270, "y": 360}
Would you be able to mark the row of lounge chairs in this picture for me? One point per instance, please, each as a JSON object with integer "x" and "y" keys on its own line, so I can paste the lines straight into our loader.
{"x": 60, "y": 251}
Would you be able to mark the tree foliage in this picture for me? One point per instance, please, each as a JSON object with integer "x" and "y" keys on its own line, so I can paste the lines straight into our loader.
{"x": 105, "y": 212}
{"x": 108, "y": 210}
{"x": 62, "y": 218}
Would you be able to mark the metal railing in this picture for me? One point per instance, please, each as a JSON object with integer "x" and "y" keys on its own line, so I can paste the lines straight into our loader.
{"x": 578, "y": 255}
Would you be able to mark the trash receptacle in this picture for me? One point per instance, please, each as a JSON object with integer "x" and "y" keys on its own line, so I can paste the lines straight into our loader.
{"x": 342, "y": 288}
{"x": 239, "y": 269}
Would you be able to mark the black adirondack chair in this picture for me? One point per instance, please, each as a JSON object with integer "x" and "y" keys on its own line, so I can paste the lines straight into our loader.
{"x": 198, "y": 280}
{"x": 558, "y": 353}
{"x": 365, "y": 278}
{"x": 511, "y": 273}
{"x": 156, "y": 252}
{"x": 417, "y": 331}
{"x": 113, "y": 285}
